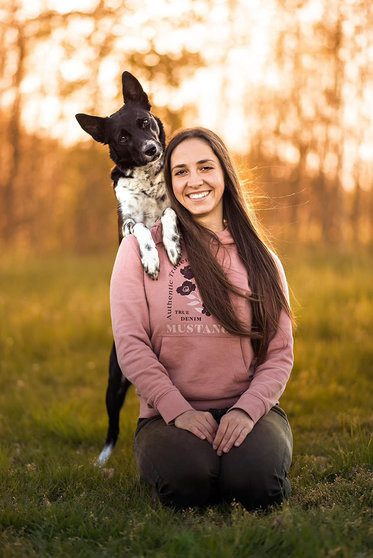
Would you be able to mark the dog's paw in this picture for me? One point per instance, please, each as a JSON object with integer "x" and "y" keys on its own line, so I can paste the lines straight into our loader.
{"x": 173, "y": 249}
{"x": 148, "y": 250}
{"x": 150, "y": 263}
{"x": 104, "y": 455}
{"x": 170, "y": 236}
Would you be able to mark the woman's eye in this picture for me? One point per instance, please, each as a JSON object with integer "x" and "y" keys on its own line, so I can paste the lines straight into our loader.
{"x": 123, "y": 139}
{"x": 180, "y": 172}
{"x": 206, "y": 168}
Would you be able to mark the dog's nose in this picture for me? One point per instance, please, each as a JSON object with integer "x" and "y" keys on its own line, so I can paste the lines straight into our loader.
{"x": 151, "y": 151}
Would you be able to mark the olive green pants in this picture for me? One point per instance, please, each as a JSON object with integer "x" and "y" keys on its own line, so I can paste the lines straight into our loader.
{"x": 186, "y": 471}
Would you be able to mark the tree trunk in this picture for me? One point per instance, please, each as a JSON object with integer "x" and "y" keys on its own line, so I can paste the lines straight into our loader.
{"x": 14, "y": 138}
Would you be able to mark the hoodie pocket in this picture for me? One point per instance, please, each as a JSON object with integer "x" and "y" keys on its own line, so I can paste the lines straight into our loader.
{"x": 204, "y": 367}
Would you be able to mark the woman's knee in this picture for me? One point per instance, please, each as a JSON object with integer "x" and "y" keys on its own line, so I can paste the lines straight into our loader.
{"x": 256, "y": 472}
{"x": 186, "y": 487}
{"x": 257, "y": 487}
{"x": 182, "y": 468}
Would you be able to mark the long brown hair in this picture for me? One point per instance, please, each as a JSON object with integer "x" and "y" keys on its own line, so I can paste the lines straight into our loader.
{"x": 267, "y": 298}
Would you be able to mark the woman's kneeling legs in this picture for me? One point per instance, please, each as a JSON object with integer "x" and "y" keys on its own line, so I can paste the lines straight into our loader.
{"x": 255, "y": 473}
{"x": 186, "y": 471}
{"x": 182, "y": 468}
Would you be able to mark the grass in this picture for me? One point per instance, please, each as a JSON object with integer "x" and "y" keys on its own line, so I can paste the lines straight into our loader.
{"x": 55, "y": 338}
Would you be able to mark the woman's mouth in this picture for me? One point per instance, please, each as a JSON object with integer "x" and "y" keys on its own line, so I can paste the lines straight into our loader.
{"x": 198, "y": 195}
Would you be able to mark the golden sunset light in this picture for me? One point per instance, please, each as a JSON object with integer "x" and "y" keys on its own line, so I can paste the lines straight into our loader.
{"x": 186, "y": 294}
{"x": 287, "y": 83}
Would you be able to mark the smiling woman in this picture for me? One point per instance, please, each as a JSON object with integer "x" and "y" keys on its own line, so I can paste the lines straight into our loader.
{"x": 210, "y": 428}
{"x": 198, "y": 182}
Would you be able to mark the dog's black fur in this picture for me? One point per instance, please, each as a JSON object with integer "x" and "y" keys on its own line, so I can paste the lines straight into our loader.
{"x": 136, "y": 141}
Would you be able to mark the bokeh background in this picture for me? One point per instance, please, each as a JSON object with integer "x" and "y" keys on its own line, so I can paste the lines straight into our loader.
{"x": 288, "y": 84}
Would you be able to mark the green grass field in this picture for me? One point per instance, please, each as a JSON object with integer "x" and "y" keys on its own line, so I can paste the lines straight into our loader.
{"x": 55, "y": 338}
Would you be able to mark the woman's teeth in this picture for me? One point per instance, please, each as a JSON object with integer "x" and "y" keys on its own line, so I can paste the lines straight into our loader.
{"x": 198, "y": 196}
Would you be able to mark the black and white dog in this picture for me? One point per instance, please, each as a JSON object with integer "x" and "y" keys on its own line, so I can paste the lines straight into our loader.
{"x": 136, "y": 141}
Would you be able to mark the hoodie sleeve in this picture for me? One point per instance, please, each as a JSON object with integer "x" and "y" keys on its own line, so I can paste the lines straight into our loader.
{"x": 131, "y": 329}
{"x": 271, "y": 376}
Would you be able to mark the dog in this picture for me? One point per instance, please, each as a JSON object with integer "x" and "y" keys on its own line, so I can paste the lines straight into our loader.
{"x": 136, "y": 141}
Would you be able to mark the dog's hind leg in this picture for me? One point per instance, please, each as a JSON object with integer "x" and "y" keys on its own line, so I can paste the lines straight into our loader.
{"x": 115, "y": 394}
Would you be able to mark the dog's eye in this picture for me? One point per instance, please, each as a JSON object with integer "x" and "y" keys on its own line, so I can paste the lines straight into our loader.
{"x": 123, "y": 138}
{"x": 145, "y": 123}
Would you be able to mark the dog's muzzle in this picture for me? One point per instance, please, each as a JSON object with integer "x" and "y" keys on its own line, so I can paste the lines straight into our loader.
{"x": 151, "y": 151}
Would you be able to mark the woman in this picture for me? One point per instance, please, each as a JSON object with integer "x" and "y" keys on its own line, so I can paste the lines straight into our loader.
{"x": 209, "y": 345}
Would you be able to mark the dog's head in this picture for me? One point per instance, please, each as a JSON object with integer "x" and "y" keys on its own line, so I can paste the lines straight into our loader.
{"x": 134, "y": 135}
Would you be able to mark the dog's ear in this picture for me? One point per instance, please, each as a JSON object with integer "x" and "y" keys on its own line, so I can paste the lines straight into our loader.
{"x": 95, "y": 126}
{"x": 132, "y": 91}
{"x": 162, "y": 134}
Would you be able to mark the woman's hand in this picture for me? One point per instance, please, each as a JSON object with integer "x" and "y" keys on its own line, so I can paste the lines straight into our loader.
{"x": 200, "y": 423}
{"x": 233, "y": 429}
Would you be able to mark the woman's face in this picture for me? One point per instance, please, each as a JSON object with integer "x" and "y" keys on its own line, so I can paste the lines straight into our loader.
{"x": 198, "y": 182}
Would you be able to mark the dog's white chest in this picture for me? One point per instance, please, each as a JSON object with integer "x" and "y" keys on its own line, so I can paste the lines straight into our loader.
{"x": 141, "y": 196}
{"x": 142, "y": 201}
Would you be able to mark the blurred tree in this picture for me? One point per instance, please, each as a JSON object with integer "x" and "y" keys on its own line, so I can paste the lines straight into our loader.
{"x": 11, "y": 170}
{"x": 313, "y": 122}
{"x": 303, "y": 110}
{"x": 37, "y": 183}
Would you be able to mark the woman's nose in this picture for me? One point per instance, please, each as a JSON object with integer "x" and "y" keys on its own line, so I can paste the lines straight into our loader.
{"x": 194, "y": 179}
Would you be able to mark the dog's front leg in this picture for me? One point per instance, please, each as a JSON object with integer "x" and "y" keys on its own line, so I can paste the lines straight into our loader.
{"x": 148, "y": 250}
{"x": 171, "y": 238}
{"x": 128, "y": 225}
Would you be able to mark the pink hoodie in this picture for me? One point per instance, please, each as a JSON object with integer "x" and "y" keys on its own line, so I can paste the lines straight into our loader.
{"x": 175, "y": 353}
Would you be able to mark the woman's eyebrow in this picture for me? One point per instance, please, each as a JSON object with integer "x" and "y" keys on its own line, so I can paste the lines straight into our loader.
{"x": 201, "y": 162}
{"x": 205, "y": 161}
